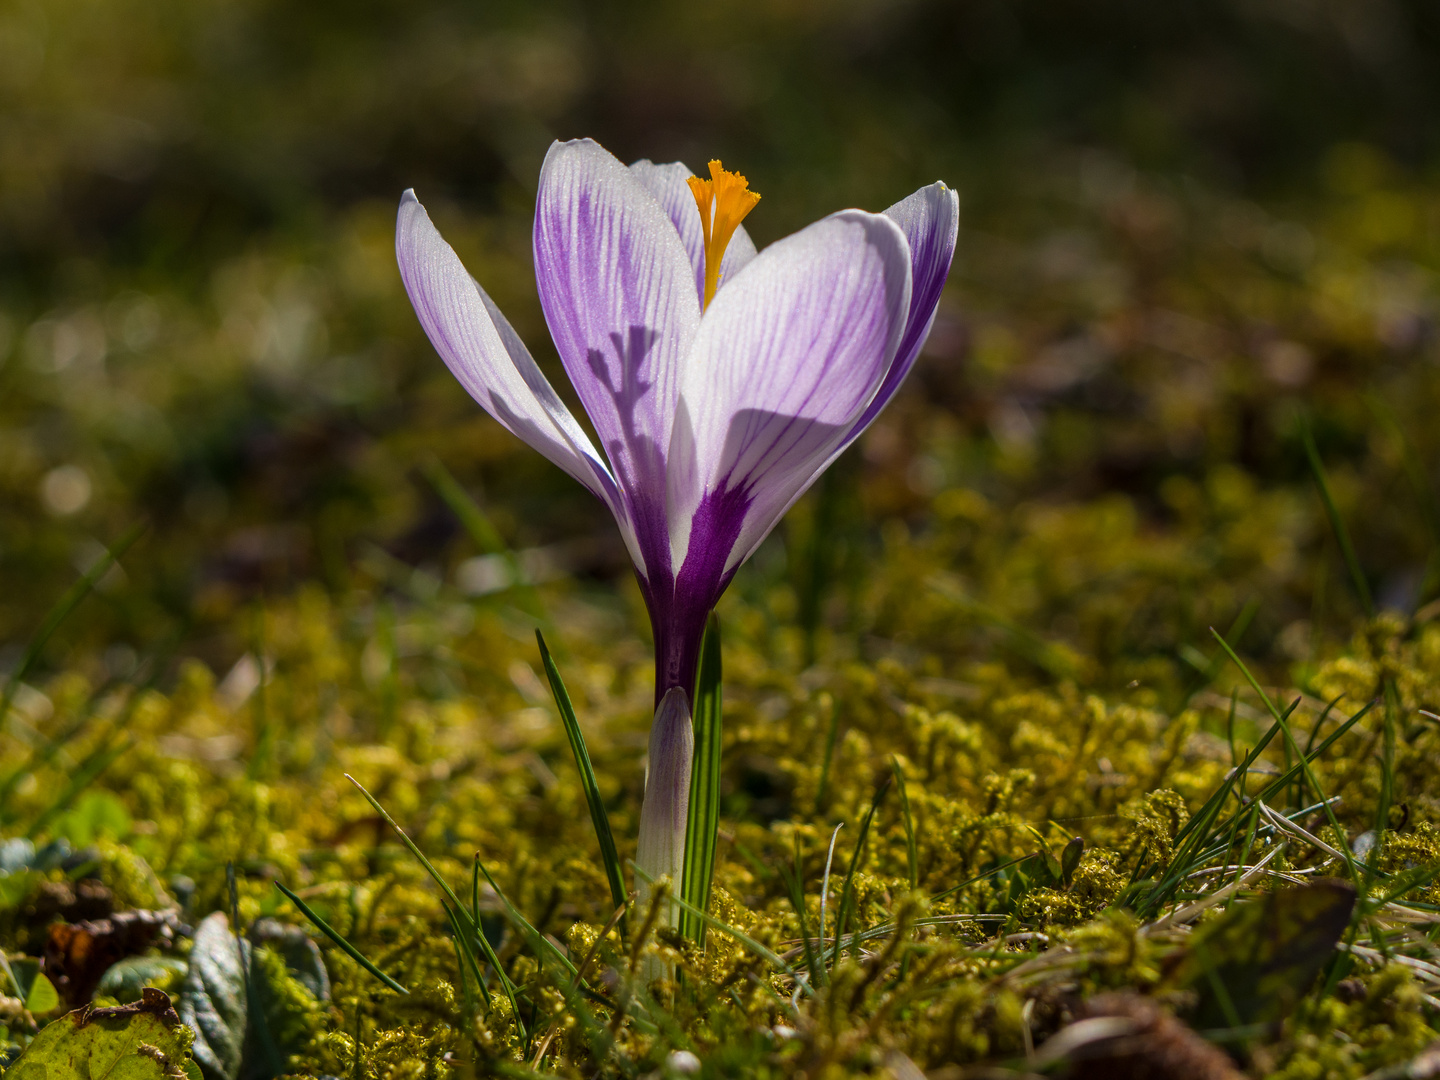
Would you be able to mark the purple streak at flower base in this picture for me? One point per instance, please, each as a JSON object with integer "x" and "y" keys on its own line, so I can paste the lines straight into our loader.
{"x": 678, "y": 613}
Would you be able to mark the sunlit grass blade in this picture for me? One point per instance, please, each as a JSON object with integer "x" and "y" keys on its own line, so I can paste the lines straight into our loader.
{"x": 980, "y": 877}
{"x": 539, "y": 943}
{"x": 1362, "y": 589}
{"x": 474, "y": 924}
{"x": 608, "y": 855}
{"x": 703, "y": 822}
{"x": 1297, "y": 770}
{"x": 1337, "y": 524}
{"x": 847, "y": 891}
{"x": 1194, "y": 835}
{"x": 825, "y": 880}
{"x": 1283, "y": 721}
{"x": 568, "y": 978}
{"x": 59, "y": 613}
{"x": 480, "y": 529}
{"x": 912, "y": 859}
{"x": 1217, "y": 799}
{"x": 1278, "y": 783}
{"x": 345, "y": 946}
{"x": 795, "y": 886}
{"x": 467, "y": 952}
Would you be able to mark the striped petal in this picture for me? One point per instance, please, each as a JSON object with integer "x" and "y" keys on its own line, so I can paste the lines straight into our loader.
{"x": 616, "y": 285}
{"x": 930, "y": 219}
{"x": 784, "y": 364}
{"x": 483, "y": 351}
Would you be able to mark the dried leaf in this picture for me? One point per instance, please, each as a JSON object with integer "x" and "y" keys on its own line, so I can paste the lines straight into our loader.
{"x": 77, "y": 955}
{"x": 1252, "y": 965}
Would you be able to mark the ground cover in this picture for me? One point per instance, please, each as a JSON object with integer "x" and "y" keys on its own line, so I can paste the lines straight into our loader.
{"x": 1076, "y": 835}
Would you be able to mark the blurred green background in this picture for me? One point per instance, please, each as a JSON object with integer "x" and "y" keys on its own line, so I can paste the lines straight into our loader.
{"x": 1184, "y": 225}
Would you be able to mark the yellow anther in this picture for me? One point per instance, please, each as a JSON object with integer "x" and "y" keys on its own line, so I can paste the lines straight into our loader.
{"x": 724, "y": 200}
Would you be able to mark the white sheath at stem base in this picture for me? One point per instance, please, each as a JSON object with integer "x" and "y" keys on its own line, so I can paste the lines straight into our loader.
{"x": 661, "y": 851}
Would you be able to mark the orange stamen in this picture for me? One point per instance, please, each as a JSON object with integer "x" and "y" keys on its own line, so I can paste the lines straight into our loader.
{"x": 724, "y": 200}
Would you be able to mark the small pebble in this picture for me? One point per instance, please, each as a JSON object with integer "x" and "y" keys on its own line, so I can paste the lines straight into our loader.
{"x": 683, "y": 1062}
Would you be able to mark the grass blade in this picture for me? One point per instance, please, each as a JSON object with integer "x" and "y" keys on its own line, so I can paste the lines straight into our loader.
{"x": 795, "y": 886}
{"x": 598, "y": 816}
{"x": 481, "y": 530}
{"x": 345, "y": 946}
{"x": 466, "y": 952}
{"x": 825, "y": 881}
{"x": 1195, "y": 833}
{"x": 539, "y": 943}
{"x": 832, "y": 730}
{"x": 847, "y": 892}
{"x": 1337, "y": 524}
{"x": 1206, "y": 674}
{"x": 704, "y": 817}
{"x": 474, "y": 925}
{"x": 99, "y": 759}
{"x": 1282, "y": 721}
{"x": 474, "y": 520}
{"x": 62, "y": 611}
{"x": 912, "y": 858}
{"x": 1217, "y": 800}
{"x": 1362, "y": 588}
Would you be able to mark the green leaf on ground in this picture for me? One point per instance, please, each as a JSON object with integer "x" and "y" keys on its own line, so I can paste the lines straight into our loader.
{"x": 249, "y": 1010}
{"x": 213, "y": 1002}
{"x": 43, "y": 997}
{"x": 143, "y": 1041}
{"x": 126, "y": 979}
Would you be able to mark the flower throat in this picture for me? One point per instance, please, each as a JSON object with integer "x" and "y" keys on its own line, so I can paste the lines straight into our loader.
{"x": 724, "y": 200}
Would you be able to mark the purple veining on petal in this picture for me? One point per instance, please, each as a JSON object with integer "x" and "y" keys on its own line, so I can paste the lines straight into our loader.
{"x": 712, "y": 428}
{"x": 785, "y": 362}
{"x": 930, "y": 219}
{"x": 668, "y": 184}
{"x": 616, "y": 287}
{"x": 488, "y": 358}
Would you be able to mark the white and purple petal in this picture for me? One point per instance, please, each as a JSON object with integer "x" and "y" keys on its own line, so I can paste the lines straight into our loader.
{"x": 485, "y": 354}
{"x": 616, "y": 285}
{"x": 930, "y": 219}
{"x": 785, "y": 362}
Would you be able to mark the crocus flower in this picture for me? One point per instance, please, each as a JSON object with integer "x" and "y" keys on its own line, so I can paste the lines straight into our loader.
{"x": 721, "y": 381}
